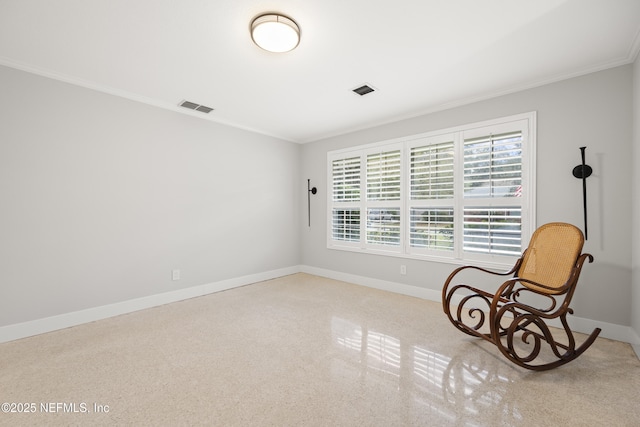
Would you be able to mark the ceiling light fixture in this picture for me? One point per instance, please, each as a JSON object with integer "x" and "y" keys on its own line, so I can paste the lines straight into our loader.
{"x": 275, "y": 33}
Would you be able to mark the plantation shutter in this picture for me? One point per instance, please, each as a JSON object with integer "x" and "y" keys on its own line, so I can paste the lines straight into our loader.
{"x": 383, "y": 198}
{"x": 465, "y": 193}
{"x": 346, "y": 179}
{"x": 383, "y": 176}
{"x": 345, "y": 215}
{"x": 492, "y": 217}
{"x": 432, "y": 171}
{"x": 432, "y": 228}
{"x": 493, "y": 165}
{"x": 345, "y": 224}
{"x": 493, "y": 230}
{"x": 431, "y": 215}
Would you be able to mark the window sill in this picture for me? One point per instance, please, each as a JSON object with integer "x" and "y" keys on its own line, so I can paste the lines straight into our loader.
{"x": 500, "y": 263}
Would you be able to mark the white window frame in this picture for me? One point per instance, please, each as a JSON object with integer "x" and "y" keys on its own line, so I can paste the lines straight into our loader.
{"x": 424, "y": 140}
{"x": 367, "y": 204}
{"x": 526, "y": 122}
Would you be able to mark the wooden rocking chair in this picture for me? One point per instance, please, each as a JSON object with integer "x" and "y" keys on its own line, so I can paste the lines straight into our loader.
{"x": 547, "y": 273}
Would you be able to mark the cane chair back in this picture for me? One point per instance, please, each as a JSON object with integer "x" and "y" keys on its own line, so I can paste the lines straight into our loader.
{"x": 551, "y": 257}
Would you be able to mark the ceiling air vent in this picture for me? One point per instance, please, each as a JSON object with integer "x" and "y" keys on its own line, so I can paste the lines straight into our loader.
{"x": 197, "y": 107}
{"x": 204, "y": 109}
{"x": 363, "y": 90}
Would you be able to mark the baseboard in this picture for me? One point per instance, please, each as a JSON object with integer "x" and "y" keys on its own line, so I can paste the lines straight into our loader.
{"x": 636, "y": 348}
{"x": 635, "y": 341}
{"x": 609, "y": 330}
{"x": 399, "y": 288}
{"x": 578, "y": 324}
{"x": 62, "y": 321}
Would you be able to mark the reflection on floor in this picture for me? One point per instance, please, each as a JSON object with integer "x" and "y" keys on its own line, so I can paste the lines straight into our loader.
{"x": 302, "y": 350}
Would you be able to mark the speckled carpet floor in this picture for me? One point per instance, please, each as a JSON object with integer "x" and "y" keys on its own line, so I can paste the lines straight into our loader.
{"x": 302, "y": 351}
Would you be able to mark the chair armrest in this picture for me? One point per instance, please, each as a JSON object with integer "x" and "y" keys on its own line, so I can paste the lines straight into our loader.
{"x": 483, "y": 270}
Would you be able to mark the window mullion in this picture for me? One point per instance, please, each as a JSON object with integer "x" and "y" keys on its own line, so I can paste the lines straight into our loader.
{"x": 458, "y": 196}
{"x": 405, "y": 195}
{"x": 478, "y": 179}
{"x": 363, "y": 201}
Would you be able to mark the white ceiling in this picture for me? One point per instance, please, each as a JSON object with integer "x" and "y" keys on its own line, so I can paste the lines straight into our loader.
{"x": 421, "y": 55}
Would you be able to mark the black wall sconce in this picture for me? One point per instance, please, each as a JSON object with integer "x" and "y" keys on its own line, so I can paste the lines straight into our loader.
{"x": 310, "y": 191}
{"x": 583, "y": 172}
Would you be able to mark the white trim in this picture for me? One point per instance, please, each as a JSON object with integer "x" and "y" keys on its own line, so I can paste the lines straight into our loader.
{"x": 609, "y": 330}
{"x": 578, "y": 324}
{"x": 636, "y": 348}
{"x": 634, "y": 50}
{"x": 524, "y": 122}
{"x": 634, "y": 341}
{"x": 8, "y": 62}
{"x": 384, "y": 285}
{"x": 62, "y": 321}
{"x": 384, "y": 144}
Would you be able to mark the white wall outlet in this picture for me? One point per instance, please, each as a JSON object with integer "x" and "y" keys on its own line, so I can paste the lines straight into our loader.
{"x": 175, "y": 274}
{"x": 403, "y": 269}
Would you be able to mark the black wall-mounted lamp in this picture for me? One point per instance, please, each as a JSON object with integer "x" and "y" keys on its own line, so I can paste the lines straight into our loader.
{"x": 583, "y": 172}
{"x": 310, "y": 191}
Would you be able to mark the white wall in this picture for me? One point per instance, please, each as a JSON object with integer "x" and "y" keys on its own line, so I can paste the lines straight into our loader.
{"x": 101, "y": 197}
{"x": 635, "y": 317}
{"x": 594, "y": 111}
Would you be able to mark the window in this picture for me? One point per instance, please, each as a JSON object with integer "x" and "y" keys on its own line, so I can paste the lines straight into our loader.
{"x": 492, "y": 191}
{"x": 383, "y": 182}
{"x": 345, "y": 191}
{"x": 431, "y": 198}
{"x": 465, "y": 193}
